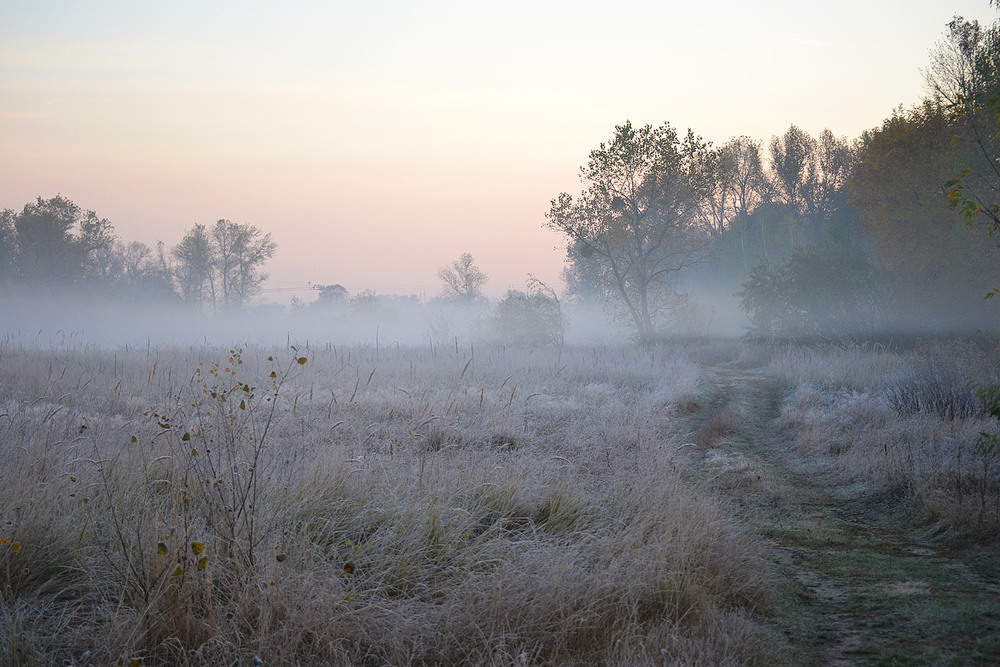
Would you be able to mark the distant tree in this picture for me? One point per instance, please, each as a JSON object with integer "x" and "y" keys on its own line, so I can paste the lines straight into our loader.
{"x": 835, "y": 159}
{"x": 8, "y": 248}
{"x": 532, "y": 317}
{"x": 330, "y": 295}
{"x": 366, "y": 301}
{"x": 240, "y": 252}
{"x": 637, "y": 222}
{"x": 462, "y": 280}
{"x": 222, "y": 265}
{"x": 743, "y": 175}
{"x": 55, "y": 242}
{"x": 194, "y": 268}
{"x": 794, "y": 164}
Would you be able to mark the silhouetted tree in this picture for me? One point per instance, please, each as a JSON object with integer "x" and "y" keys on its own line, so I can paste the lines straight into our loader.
{"x": 897, "y": 186}
{"x": 194, "y": 270}
{"x": 330, "y": 295}
{"x": 222, "y": 265}
{"x": 965, "y": 73}
{"x": 462, "y": 280}
{"x": 240, "y": 253}
{"x": 636, "y": 223}
{"x": 54, "y": 241}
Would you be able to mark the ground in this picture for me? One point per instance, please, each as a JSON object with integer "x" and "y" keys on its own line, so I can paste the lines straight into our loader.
{"x": 863, "y": 581}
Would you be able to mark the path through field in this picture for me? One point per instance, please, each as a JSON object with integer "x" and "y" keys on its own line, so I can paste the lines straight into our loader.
{"x": 862, "y": 582}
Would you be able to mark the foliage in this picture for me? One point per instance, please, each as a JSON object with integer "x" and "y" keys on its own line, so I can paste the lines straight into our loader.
{"x": 636, "y": 223}
{"x": 532, "y": 317}
{"x": 51, "y": 242}
{"x": 831, "y": 290}
{"x": 221, "y": 266}
{"x": 896, "y": 187}
{"x": 965, "y": 73}
{"x": 462, "y": 280}
{"x": 331, "y": 295}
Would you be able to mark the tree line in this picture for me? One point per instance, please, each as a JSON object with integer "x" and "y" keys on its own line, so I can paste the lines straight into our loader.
{"x": 53, "y": 244}
{"x": 818, "y": 236}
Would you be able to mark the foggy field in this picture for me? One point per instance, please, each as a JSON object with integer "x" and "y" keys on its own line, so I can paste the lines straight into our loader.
{"x": 470, "y": 504}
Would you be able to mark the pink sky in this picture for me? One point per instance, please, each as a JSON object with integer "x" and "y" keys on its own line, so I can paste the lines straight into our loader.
{"x": 378, "y": 141}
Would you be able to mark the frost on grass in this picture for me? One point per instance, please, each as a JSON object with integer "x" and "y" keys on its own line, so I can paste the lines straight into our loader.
{"x": 357, "y": 505}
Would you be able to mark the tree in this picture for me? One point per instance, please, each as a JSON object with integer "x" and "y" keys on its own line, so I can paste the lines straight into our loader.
{"x": 240, "y": 252}
{"x": 965, "y": 73}
{"x": 830, "y": 290}
{"x": 331, "y": 295}
{"x": 793, "y": 161}
{"x": 897, "y": 187}
{"x": 636, "y": 222}
{"x": 222, "y": 265}
{"x": 55, "y": 242}
{"x": 195, "y": 267}
{"x": 462, "y": 280}
{"x": 743, "y": 175}
{"x": 8, "y": 255}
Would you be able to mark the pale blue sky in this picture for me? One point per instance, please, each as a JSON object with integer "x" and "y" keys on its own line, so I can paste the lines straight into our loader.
{"x": 377, "y": 141}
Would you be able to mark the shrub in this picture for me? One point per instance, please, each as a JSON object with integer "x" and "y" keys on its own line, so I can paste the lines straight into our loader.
{"x": 532, "y": 317}
{"x": 831, "y": 290}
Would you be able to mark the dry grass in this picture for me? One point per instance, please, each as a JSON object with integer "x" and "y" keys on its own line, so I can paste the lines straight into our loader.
{"x": 907, "y": 423}
{"x": 399, "y": 506}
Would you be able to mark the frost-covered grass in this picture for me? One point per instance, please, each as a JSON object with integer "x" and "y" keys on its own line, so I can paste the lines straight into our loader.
{"x": 907, "y": 422}
{"x": 420, "y": 505}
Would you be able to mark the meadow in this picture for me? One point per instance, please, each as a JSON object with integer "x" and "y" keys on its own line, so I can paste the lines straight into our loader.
{"x": 456, "y": 504}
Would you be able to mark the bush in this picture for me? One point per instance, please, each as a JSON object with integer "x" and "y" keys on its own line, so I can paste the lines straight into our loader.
{"x": 831, "y": 290}
{"x": 533, "y": 317}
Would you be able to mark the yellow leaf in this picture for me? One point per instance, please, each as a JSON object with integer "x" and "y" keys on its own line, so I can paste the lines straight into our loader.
{"x": 202, "y": 562}
{"x": 281, "y": 557}
{"x": 186, "y": 437}
{"x": 177, "y": 571}
{"x": 15, "y": 547}
{"x": 161, "y": 548}
{"x": 243, "y": 405}
{"x": 301, "y": 360}
{"x": 197, "y": 547}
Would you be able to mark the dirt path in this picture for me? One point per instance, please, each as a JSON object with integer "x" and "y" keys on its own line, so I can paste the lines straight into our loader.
{"x": 861, "y": 583}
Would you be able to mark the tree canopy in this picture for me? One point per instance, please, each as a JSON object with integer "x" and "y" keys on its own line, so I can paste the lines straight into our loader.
{"x": 635, "y": 224}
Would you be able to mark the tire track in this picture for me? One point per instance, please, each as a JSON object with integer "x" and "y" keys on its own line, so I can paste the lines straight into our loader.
{"x": 860, "y": 582}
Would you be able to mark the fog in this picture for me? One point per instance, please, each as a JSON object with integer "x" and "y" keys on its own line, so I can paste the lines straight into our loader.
{"x": 37, "y": 319}
{"x": 42, "y": 320}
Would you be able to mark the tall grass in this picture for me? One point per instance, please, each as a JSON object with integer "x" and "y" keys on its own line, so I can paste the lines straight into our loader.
{"x": 365, "y": 506}
{"x": 908, "y": 423}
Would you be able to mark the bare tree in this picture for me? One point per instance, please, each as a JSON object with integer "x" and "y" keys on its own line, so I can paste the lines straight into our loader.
{"x": 462, "y": 280}
{"x": 743, "y": 173}
{"x": 240, "y": 252}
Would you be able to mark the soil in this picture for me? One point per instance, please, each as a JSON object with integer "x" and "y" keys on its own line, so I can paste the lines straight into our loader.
{"x": 862, "y": 578}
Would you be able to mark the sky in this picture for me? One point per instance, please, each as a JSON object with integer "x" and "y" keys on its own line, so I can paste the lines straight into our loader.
{"x": 378, "y": 141}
